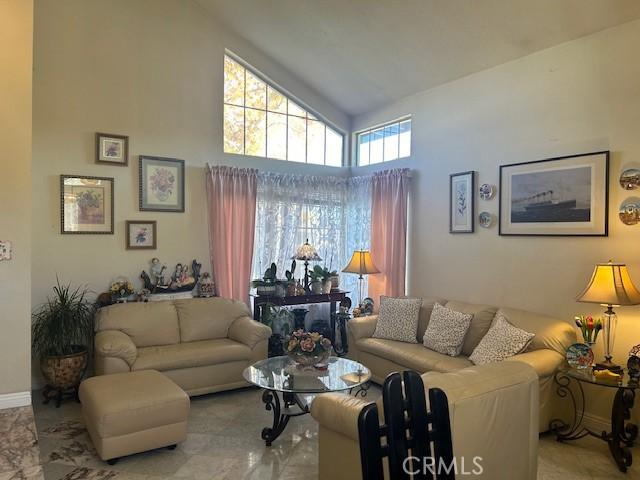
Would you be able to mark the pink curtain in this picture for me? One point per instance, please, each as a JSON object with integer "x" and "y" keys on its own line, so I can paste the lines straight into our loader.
{"x": 231, "y": 195}
{"x": 389, "y": 191}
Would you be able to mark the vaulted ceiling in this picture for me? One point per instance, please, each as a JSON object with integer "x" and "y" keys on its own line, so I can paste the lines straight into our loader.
{"x": 362, "y": 54}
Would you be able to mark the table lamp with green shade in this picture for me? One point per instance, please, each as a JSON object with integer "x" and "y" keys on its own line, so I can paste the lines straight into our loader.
{"x": 362, "y": 264}
{"x": 610, "y": 286}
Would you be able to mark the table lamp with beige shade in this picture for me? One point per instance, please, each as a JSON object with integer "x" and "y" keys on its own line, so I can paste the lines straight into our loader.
{"x": 362, "y": 264}
{"x": 610, "y": 286}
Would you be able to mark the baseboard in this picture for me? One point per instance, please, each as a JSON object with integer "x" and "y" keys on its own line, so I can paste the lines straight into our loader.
{"x": 12, "y": 400}
{"x": 596, "y": 423}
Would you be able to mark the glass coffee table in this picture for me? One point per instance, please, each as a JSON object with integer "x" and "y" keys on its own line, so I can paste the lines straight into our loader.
{"x": 290, "y": 389}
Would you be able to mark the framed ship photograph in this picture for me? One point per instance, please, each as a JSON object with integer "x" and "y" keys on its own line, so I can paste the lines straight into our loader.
{"x": 563, "y": 196}
{"x": 86, "y": 204}
{"x": 161, "y": 184}
{"x": 461, "y": 202}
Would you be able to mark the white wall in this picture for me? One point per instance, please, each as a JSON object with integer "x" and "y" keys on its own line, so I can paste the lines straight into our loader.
{"x": 154, "y": 71}
{"x": 16, "y": 54}
{"x": 578, "y": 97}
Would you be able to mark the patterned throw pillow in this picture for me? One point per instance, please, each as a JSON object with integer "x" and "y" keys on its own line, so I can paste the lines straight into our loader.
{"x": 446, "y": 330}
{"x": 503, "y": 340}
{"x": 398, "y": 319}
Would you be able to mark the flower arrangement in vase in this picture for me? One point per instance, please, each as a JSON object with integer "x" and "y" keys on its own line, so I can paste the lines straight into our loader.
{"x": 308, "y": 349}
{"x": 589, "y": 328}
{"x": 120, "y": 290}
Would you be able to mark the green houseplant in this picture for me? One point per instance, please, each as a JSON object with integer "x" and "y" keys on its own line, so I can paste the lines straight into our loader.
{"x": 320, "y": 279}
{"x": 61, "y": 335}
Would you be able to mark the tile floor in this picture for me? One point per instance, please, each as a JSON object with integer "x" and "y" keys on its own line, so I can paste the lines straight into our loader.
{"x": 223, "y": 443}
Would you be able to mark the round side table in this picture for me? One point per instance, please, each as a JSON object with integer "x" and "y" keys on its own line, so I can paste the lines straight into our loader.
{"x": 623, "y": 433}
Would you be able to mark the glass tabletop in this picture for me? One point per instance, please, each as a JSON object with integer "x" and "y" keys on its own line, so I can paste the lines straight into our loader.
{"x": 586, "y": 375}
{"x": 284, "y": 375}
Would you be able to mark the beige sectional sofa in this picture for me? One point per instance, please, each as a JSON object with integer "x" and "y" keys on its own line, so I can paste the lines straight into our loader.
{"x": 202, "y": 344}
{"x": 545, "y": 353}
{"x": 493, "y": 411}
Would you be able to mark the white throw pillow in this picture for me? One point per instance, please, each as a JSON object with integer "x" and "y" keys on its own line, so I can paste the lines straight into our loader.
{"x": 398, "y": 319}
{"x": 446, "y": 330}
{"x": 503, "y": 340}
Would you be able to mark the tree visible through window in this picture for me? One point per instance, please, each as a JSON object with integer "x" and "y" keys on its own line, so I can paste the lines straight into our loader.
{"x": 261, "y": 121}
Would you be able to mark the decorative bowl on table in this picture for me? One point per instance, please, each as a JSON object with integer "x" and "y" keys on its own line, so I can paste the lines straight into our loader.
{"x": 308, "y": 349}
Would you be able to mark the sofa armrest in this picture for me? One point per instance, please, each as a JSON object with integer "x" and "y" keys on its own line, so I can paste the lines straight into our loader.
{"x": 248, "y": 331}
{"x": 114, "y": 343}
{"x": 362, "y": 327}
{"x": 338, "y": 412}
{"x": 544, "y": 361}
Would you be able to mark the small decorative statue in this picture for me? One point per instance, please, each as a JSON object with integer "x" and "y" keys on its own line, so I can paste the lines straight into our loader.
{"x": 146, "y": 281}
{"x": 195, "y": 269}
{"x": 205, "y": 285}
{"x": 157, "y": 270}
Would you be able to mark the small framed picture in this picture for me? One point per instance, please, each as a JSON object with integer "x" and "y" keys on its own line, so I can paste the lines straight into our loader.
{"x": 161, "y": 184}
{"x": 142, "y": 235}
{"x": 86, "y": 204}
{"x": 562, "y": 196}
{"x": 112, "y": 149}
{"x": 461, "y": 202}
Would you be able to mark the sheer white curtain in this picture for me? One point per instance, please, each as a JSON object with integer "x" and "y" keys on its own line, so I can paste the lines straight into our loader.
{"x": 334, "y": 213}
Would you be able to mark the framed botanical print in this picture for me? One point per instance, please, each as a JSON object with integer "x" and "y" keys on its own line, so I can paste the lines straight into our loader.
{"x": 112, "y": 149}
{"x": 563, "y": 196}
{"x": 86, "y": 204}
{"x": 461, "y": 202}
{"x": 142, "y": 234}
{"x": 161, "y": 184}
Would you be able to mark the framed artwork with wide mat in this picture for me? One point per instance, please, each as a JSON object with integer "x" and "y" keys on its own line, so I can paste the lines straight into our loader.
{"x": 86, "y": 204}
{"x": 142, "y": 235}
{"x": 461, "y": 202}
{"x": 563, "y": 196}
{"x": 161, "y": 184}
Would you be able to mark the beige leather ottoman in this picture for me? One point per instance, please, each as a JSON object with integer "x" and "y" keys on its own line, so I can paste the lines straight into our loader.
{"x": 133, "y": 412}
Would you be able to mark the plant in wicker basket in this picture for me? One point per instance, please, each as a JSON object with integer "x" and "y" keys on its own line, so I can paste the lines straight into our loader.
{"x": 61, "y": 335}
{"x": 308, "y": 348}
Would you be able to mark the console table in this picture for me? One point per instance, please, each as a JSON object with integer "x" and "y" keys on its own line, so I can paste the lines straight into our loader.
{"x": 260, "y": 302}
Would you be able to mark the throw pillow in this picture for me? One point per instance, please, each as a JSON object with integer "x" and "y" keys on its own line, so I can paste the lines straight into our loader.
{"x": 446, "y": 330}
{"x": 503, "y": 340}
{"x": 398, "y": 319}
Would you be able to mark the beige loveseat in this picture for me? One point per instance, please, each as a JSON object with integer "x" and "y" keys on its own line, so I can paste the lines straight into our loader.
{"x": 202, "y": 344}
{"x": 545, "y": 353}
{"x": 493, "y": 411}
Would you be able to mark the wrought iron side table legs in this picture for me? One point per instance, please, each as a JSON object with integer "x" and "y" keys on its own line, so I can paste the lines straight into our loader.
{"x": 281, "y": 412}
{"x": 623, "y": 433}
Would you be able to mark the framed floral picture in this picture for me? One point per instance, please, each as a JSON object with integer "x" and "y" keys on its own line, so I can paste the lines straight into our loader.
{"x": 142, "y": 234}
{"x": 161, "y": 184}
{"x": 461, "y": 202}
{"x": 86, "y": 204}
{"x": 112, "y": 149}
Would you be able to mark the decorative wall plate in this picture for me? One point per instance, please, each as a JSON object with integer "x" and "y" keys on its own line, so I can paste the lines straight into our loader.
{"x": 579, "y": 355}
{"x": 485, "y": 219}
{"x": 367, "y": 306}
{"x": 630, "y": 179}
{"x": 629, "y": 212}
{"x": 487, "y": 191}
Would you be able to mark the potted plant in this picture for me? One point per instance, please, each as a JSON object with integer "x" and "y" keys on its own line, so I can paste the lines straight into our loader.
{"x": 320, "y": 280}
{"x": 335, "y": 280}
{"x": 61, "y": 335}
{"x": 268, "y": 283}
{"x": 291, "y": 282}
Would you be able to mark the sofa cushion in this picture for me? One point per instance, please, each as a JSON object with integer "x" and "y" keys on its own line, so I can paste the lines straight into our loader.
{"x": 413, "y": 356}
{"x": 446, "y": 331}
{"x": 148, "y": 324}
{"x": 502, "y": 341}
{"x": 398, "y": 319}
{"x": 425, "y": 315}
{"x": 550, "y": 332}
{"x": 480, "y": 323}
{"x": 207, "y": 318}
{"x": 191, "y": 354}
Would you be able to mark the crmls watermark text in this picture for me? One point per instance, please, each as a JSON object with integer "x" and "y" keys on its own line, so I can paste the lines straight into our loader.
{"x": 458, "y": 466}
